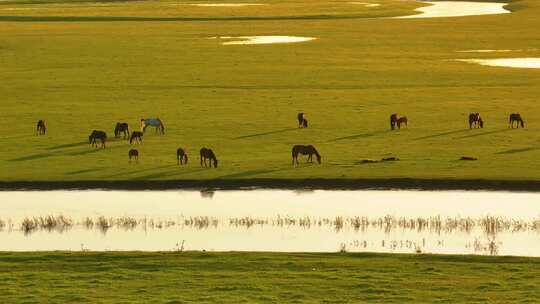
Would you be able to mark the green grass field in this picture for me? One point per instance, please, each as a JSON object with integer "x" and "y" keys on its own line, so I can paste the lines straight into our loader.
{"x": 84, "y": 66}
{"x": 53, "y": 277}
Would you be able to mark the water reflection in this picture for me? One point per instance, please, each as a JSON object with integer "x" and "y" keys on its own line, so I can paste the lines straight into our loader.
{"x": 258, "y": 220}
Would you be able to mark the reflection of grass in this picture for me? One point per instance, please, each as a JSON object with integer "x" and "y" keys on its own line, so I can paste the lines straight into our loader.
{"x": 142, "y": 277}
{"x": 489, "y": 225}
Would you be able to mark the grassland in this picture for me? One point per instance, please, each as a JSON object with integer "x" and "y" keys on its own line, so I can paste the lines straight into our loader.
{"x": 97, "y": 64}
{"x": 265, "y": 277}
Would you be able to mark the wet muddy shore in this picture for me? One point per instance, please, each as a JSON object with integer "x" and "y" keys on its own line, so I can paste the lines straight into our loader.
{"x": 285, "y": 184}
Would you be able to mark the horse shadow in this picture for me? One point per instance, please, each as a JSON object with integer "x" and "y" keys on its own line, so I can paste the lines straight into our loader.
{"x": 167, "y": 173}
{"x": 512, "y": 151}
{"x": 31, "y": 157}
{"x": 136, "y": 171}
{"x": 487, "y": 133}
{"x": 64, "y": 146}
{"x": 83, "y": 171}
{"x": 442, "y": 134}
{"x": 363, "y": 135}
{"x": 266, "y": 133}
{"x": 251, "y": 173}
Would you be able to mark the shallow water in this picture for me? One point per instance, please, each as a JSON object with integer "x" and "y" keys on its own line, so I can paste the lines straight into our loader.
{"x": 261, "y": 220}
{"x": 524, "y": 63}
{"x": 248, "y": 40}
{"x": 224, "y": 4}
{"x": 437, "y": 9}
{"x": 365, "y": 4}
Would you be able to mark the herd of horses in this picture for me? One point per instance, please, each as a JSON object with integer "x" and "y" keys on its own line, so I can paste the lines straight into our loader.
{"x": 208, "y": 157}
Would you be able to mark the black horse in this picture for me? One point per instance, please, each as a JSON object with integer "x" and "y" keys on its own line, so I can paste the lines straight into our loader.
{"x": 136, "y": 136}
{"x": 41, "y": 128}
{"x": 121, "y": 127}
{"x": 393, "y": 121}
{"x": 208, "y": 154}
{"x": 102, "y": 136}
{"x": 517, "y": 118}
{"x": 133, "y": 153}
{"x": 181, "y": 156}
{"x": 305, "y": 150}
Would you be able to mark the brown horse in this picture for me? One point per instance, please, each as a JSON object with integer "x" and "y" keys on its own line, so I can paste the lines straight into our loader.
{"x": 401, "y": 120}
{"x": 308, "y": 150}
{"x": 133, "y": 153}
{"x": 181, "y": 156}
{"x": 474, "y": 120}
{"x": 97, "y": 135}
{"x": 41, "y": 128}
{"x": 208, "y": 154}
{"x": 393, "y": 121}
{"x": 517, "y": 118}
{"x": 302, "y": 121}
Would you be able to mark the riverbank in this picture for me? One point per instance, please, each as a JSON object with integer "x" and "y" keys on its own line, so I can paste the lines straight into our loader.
{"x": 284, "y": 184}
{"x": 264, "y": 277}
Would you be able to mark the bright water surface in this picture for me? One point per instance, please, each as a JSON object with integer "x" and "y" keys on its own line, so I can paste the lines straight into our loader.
{"x": 452, "y": 222}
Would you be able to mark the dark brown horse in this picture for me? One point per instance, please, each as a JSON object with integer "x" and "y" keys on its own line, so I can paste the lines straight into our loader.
{"x": 475, "y": 121}
{"x": 208, "y": 154}
{"x": 41, "y": 128}
{"x": 393, "y": 121}
{"x": 133, "y": 153}
{"x": 121, "y": 127}
{"x": 136, "y": 136}
{"x": 181, "y": 156}
{"x": 400, "y": 121}
{"x": 97, "y": 135}
{"x": 308, "y": 150}
{"x": 516, "y": 117}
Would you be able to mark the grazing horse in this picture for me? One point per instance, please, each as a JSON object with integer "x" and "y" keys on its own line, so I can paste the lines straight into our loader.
{"x": 41, "y": 128}
{"x": 401, "y": 120}
{"x": 121, "y": 127}
{"x": 102, "y": 136}
{"x": 300, "y": 120}
{"x": 133, "y": 153}
{"x": 154, "y": 122}
{"x": 208, "y": 154}
{"x": 136, "y": 136}
{"x": 181, "y": 156}
{"x": 393, "y": 121}
{"x": 517, "y": 118}
{"x": 305, "y": 150}
{"x": 475, "y": 121}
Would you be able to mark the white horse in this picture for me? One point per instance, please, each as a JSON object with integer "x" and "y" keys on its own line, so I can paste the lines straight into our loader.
{"x": 154, "y": 122}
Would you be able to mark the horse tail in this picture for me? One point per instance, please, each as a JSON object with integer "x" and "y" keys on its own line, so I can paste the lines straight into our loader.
{"x": 161, "y": 126}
